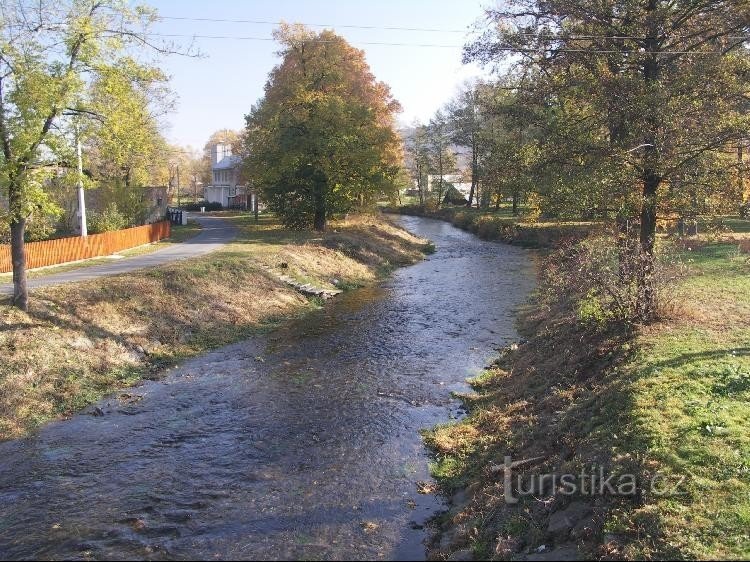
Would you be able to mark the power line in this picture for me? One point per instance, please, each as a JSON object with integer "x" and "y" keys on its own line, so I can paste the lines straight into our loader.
{"x": 551, "y": 35}
{"x": 253, "y": 38}
{"x": 391, "y": 44}
{"x": 347, "y": 26}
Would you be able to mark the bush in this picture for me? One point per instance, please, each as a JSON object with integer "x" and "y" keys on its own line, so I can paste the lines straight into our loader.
{"x": 106, "y": 221}
{"x": 38, "y": 227}
{"x": 196, "y": 207}
{"x": 489, "y": 227}
{"x": 599, "y": 274}
{"x": 453, "y": 196}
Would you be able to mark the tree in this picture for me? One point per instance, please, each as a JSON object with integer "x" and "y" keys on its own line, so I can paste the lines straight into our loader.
{"x": 322, "y": 139}
{"x": 123, "y": 143}
{"x": 419, "y": 160}
{"x": 466, "y": 124}
{"x": 656, "y": 87}
{"x": 509, "y": 147}
{"x": 439, "y": 136}
{"x": 50, "y": 54}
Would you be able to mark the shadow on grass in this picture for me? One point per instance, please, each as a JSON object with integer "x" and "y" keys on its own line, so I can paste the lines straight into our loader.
{"x": 687, "y": 358}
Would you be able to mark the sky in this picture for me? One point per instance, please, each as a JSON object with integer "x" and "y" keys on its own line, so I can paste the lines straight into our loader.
{"x": 218, "y": 89}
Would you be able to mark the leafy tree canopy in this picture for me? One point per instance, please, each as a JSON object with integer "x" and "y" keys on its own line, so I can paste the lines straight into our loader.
{"x": 322, "y": 139}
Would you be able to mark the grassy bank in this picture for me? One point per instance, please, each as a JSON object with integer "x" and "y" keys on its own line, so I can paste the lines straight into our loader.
{"x": 502, "y": 226}
{"x": 78, "y": 343}
{"x": 667, "y": 403}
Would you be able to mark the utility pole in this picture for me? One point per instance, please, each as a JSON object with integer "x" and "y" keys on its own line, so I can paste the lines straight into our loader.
{"x": 81, "y": 195}
{"x": 178, "y": 185}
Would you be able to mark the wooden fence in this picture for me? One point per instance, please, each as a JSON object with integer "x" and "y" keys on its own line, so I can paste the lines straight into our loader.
{"x": 63, "y": 250}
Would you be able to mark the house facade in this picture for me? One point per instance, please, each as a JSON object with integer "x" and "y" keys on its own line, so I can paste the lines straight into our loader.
{"x": 226, "y": 187}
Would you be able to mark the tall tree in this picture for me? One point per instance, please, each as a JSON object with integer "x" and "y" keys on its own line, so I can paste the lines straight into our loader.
{"x": 322, "y": 139}
{"x": 123, "y": 142}
{"x": 665, "y": 81}
{"x": 419, "y": 159}
{"x": 439, "y": 134}
{"x": 466, "y": 124}
{"x": 50, "y": 53}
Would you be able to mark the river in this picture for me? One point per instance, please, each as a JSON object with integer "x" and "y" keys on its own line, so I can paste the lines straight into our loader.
{"x": 300, "y": 444}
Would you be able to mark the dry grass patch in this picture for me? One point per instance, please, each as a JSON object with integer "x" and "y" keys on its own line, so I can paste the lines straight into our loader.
{"x": 80, "y": 342}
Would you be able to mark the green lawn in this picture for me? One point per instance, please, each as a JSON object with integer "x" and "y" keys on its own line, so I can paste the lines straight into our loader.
{"x": 730, "y": 223}
{"x": 691, "y": 402}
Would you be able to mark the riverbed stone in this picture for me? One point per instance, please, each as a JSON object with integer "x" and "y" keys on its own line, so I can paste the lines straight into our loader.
{"x": 562, "y": 522}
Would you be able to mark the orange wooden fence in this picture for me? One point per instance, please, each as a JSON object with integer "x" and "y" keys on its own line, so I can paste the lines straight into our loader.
{"x": 63, "y": 250}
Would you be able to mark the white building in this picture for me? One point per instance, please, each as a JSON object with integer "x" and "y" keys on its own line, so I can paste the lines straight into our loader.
{"x": 225, "y": 176}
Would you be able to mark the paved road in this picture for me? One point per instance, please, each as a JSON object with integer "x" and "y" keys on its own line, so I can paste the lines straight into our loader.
{"x": 215, "y": 233}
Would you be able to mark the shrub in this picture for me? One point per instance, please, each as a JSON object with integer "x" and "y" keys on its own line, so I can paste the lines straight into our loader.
{"x": 491, "y": 228}
{"x": 463, "y": 219}
{"x": 599, "y": 275}
{"x": 38, "y": 227}
{"x": 196, "y": 207}
{"x": 453, "y": 196}
{"x": 107, "y": 220}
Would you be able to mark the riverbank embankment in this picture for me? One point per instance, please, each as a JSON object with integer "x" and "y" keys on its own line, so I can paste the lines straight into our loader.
{"x": 80, "y": 342}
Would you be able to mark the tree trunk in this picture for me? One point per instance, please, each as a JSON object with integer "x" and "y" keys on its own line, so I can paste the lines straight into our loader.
{"x": 18, "y": 258}
{"x": 420, "y": 186}
{"x": 515, "y": 202}
{"x": 741, "y": 180}
{"x": 320, "y": 211}
{"x": 474, "y": 170}
{"x": 651, "y": 179}
{"x": 646, "y": 292}
{"x": 440, "y": 171}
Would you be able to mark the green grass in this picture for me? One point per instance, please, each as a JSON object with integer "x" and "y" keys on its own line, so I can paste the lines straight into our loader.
{"x": 730, "y": 223}
{"x": 669, "y": 400}
{"x": 691, "y": 400}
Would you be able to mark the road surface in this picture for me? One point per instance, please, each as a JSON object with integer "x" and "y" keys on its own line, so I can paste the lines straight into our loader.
{"x": 215, "y": 233}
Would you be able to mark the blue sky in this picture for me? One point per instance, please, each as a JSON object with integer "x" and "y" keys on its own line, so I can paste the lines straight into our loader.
{"x": 216, "y": 91}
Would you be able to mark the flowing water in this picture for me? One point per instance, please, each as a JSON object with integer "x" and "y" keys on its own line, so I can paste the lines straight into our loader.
{"x": 301, "y": 444}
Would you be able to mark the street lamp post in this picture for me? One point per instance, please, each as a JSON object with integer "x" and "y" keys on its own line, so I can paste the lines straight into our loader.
{"x": 81, "y": 194}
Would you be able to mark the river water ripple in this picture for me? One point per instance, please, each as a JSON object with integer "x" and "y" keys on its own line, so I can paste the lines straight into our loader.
{"x": 312, "y": 452}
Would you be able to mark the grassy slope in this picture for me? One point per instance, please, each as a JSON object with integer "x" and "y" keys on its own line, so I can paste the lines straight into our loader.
{"x": 78, "y": 343}
{"x": 503, "y": 226}
{"x": 670, "y": 399}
